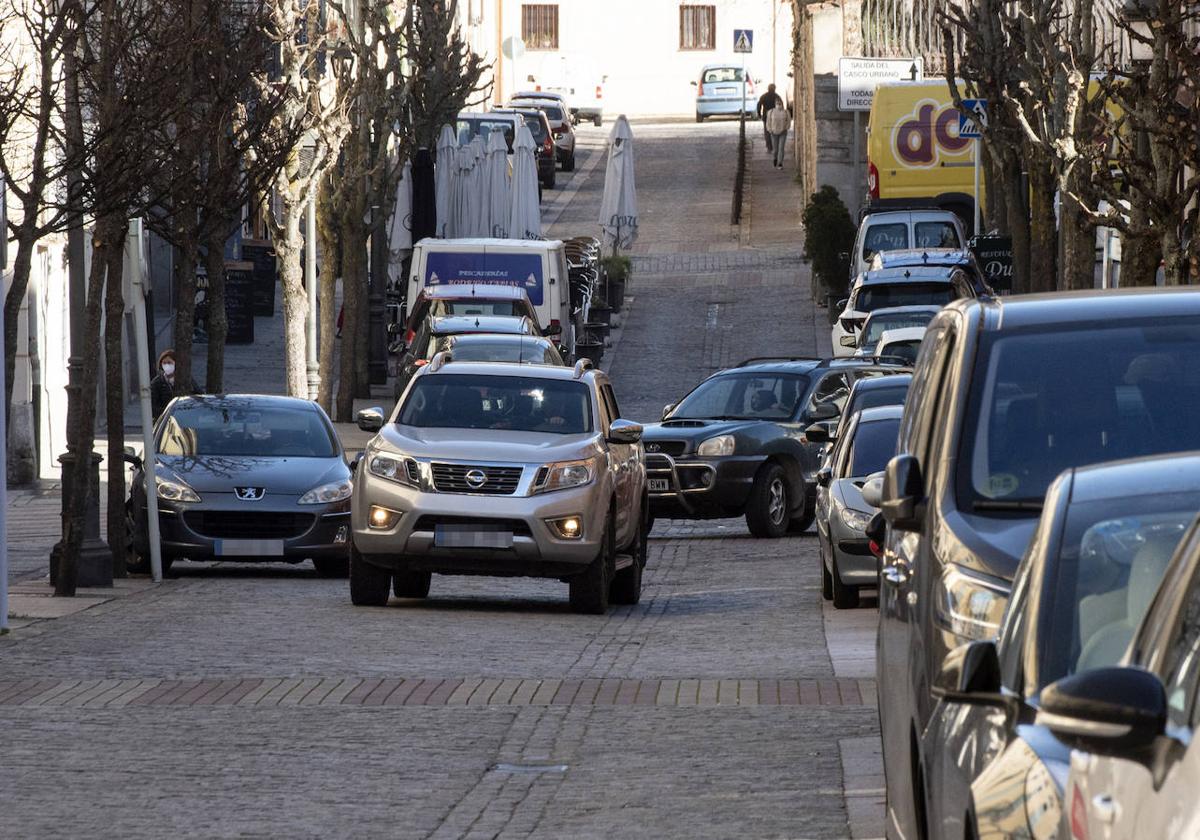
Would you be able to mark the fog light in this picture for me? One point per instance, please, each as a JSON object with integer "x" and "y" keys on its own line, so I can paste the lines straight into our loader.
{"x": 568, "y": 527}
{"x": 381, "y": 517}
{"x": 343, "y": 534}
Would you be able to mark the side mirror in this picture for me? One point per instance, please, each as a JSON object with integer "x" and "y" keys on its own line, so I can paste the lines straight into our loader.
{"x": 824, "y": 476}
{"x": 872, "y": 490}
{"x": 971, "y": 674}
{"x": 817, "y": 433}
{"x": 131, "y": 457}
{"x": 1107, "y": 711}
{"x": 624, "y": 431}
{"x": 354, "y": 462}
{"x": 903, "y": 497}
{"x": 667, "y": 410}
{"x": 553, "y": 329}
{"x": 841, "y": 304}
{"x": 369, "y": 419}
{"x": 850, "y": 341}
{"x": 823, "y": 411}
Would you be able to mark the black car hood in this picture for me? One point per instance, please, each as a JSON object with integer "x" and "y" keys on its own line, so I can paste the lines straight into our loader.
{"x": 288, "y": 476}
{"x": 693, "y": 432}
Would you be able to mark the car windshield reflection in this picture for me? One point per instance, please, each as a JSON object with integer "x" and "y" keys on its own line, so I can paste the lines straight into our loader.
{"x": 758, "y": 396}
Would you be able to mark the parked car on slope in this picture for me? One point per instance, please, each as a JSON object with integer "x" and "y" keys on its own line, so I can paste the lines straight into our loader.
{"x": 888, "y": 318}
{"x": 562, "y": 133}
{"x": 543, "y": 140}
{"x": 499, "y": 347}
{"x": 434, "y": 329}
{"x": 724, "y": 89}
{"x": 1096, "y": 558}
{"x": 903, "y": 230}
{"x": 944, "y": 257}
{"x": 1006, "y": 394}
{"x": 901, "y": 343}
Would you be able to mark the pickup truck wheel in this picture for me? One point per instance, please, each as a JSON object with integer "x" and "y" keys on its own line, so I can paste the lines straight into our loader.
{"x": 370, "y": 585}
{"x": 332, "y": 567}
{"x": 589, "y": 590}
{"x": 767, "y": 512}
{"x": 844, "y": 597}
{"x": 411, "y": 584}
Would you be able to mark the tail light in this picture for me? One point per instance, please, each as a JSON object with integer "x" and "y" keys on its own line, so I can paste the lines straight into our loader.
{"x": 599, "y": 92}
{"x": 420, "y": 362}
{"x": 749, "y": 85}
{"x": 876, "y": 548}
{"x": 872, "y": 180}
{"x": 548, "y": 146}
{"x": 537, "y": 88}
{"x": 409, "y": 336}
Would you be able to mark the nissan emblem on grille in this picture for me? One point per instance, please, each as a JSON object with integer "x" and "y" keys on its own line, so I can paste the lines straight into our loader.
{"x": 476, "y": 478}
{"x": 250, "y": 494}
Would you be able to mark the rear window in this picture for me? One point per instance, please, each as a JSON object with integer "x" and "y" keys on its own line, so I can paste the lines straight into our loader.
{"x": 716, "y": 75}
{"x": 536, "y": 128}
{"x": 873, "y": 446}
{"x": 893, "y": 321}
{"x": 524, "y": 352}
{"x": 553, "y": 112}
{"x": 478, "y": 307}
{"x": 936, "y": 235}
{"x": 906, "y": 350}
{"x": 237, "y": 428}
{"x": 885, "y": 237}
{"x": 883, "y": 295}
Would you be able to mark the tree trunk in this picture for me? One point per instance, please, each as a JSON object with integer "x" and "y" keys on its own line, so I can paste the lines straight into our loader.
{"x": 353, "y": 276}
{"x": 1043, "y": 232}
{"x": 81, "y": 428}
{"x": 218, "y": 323}
{"x": 1140, "y": 256}
{"x": 1017, "y": 217}
{"x": 295, "y": 301}
{"x": 362, "y": 334}
{"x": 22, "y": 266}
{"x": 327, "y": 298}
{"x": 114, "y": 380}
{"x": 185, "y": 308}
{"x": 1079, "y": 249}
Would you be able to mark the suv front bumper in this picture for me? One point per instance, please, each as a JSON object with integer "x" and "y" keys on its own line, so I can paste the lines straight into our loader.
{"x": 701, "y": 488}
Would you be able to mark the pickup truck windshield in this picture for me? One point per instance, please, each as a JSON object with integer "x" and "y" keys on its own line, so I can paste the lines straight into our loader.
{"x": 513, "y": 403}
{"x": 743, "y": 396}
{"x": 1043, "y": 402}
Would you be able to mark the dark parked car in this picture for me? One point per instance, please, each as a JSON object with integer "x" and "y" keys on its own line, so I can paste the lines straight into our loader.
{"x": 1098, "y": 554}
{"x": 429, "y": 333}
{"x": 246, "y": 478}
{"x": 847, "y": 563}
{"x": 945, "y": 257}
{"x": 1007, "y": 394}
{"x": 735, "y": 446}
{"x": 468, "y": 299}
{"x": 543, "y": 140}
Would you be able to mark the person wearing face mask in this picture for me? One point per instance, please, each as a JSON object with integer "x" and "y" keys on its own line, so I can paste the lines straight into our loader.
{"x": 162, "y": 386}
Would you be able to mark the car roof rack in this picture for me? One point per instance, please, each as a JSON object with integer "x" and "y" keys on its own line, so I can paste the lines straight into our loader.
{"x": 439, "y": 359}
{"x": 753, "y": 360}
{"x": 885, "y": 360}
{"x": 581, "y": 366}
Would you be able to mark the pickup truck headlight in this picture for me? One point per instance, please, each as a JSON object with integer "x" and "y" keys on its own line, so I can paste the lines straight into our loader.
{"x": 856, "y": 520}
{"x": 172, "y": 488}
{"x": 716, "y": 447}
{"x": 564, "y": 474}
{"x": 327, "y": 494}
{"x": 395, "y": 468}
{"x": 969, "y": 606}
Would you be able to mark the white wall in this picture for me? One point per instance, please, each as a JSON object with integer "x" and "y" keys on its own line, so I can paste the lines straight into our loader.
{"x": 635, "y": 43}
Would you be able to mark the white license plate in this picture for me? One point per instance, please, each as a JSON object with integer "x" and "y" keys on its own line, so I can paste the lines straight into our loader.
{"x": 660, "y": 485}
{"x": 249, "y": 548}
{"x": 467, "y": 536}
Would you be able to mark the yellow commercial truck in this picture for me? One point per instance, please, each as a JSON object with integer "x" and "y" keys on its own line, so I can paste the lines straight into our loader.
{"x": 915, "y": 157}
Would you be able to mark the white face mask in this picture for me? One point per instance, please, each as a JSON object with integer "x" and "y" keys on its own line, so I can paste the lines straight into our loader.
{"x": 169, "y": 368}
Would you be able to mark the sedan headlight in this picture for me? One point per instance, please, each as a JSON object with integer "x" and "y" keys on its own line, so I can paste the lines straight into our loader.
{"x": 716, "y": 446}
{"x": 172, "y": 488}
{"x": 969, "y": 606}
{"x": 564, "y": 474}
{"x": 327, "y": 494}
{"x": 855, "y": 520}
{"x": 394, "y": 468}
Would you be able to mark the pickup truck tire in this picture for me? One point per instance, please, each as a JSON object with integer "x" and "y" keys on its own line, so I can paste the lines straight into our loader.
{"x": 589, "y": 590}
{"x": 767, "y": 510}
{"x": 844, "y": 597}
{"x": 370, "y": 586}
{"x": 332, "y": 567}
{"x": 411, "y": 584}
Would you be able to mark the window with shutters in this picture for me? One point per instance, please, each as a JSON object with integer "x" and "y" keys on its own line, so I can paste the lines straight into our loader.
{"x": 539, "y": 26}
{"x": 697, "y": 27}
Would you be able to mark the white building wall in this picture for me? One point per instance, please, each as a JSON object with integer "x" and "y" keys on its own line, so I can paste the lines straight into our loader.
{"x": 635, "y": 44}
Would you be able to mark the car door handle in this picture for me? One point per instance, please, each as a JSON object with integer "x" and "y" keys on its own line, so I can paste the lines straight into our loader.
{"x": 1105, "y": 808}
{"x": 895, "y": 574}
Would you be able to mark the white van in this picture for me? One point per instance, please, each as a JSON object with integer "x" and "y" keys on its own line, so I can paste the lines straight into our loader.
{"x": 538, "y": 266}
{"x": 902, "y": 230}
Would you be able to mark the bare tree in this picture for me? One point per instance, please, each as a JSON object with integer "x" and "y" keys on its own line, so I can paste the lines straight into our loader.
{"x": 446, "y": 74}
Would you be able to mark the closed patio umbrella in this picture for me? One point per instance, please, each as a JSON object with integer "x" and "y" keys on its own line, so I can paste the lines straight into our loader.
{"x": 447, "y": 144}
{"x": 460, "y": 211}
{"x": 400, "y": 238}
{"x": 618, "y": 207}
{"x": 477, "y": 193}
{"x": 525, "y": 222}
{"x": 499, "y": 201}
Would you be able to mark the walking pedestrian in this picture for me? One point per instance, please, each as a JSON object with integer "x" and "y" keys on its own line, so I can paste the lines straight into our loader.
{"x": 765, "y": 103}
{"x": 162, "y": 386}
{"x": 777, "y": 128}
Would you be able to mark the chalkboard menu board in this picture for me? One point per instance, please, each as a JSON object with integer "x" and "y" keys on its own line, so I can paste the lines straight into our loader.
{"x": 262, "y": 255}
{"x": 995, "y": 257}
{"x": 239, "y": 302}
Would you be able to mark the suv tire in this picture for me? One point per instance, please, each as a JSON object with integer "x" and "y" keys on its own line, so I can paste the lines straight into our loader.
{"x": 844, "y": 597}
{"x": 569, "y": 163}
{"x": 589, "y": 590}
{"x": 370, "y": 586}
{"x": 767, "y": 510}
{"x": 411, "y": 584}
{"x": 332, "y": 567}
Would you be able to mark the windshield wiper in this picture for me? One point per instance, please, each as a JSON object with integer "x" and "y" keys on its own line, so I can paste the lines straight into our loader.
{"x": 1032, "y": 505}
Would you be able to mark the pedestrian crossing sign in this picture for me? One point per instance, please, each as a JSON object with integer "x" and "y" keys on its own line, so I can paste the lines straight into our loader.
{"x": 743, "y": 40}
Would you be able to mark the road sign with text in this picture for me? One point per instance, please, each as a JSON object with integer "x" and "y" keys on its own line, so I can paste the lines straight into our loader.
{"x": 972, "y": 128}
{"x": 858, "y": 78}
{"x": 743, "y": 40}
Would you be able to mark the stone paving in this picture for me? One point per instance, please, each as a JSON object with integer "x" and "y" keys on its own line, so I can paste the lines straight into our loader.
{"x": 256, "y": 701}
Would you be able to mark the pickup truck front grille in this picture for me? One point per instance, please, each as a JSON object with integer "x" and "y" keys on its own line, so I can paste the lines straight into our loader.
{"x": 472, "y": 478}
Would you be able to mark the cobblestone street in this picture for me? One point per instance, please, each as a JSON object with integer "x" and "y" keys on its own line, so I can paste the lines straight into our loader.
{"x": 256, "y": 701}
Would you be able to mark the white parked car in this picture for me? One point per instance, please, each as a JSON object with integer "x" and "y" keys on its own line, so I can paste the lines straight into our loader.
{"x": 901, "y": 344}
{"x": 899, "y": 230}
{"x": 891, "y": 318}
{"x": 576, "y": 78}
{"x": 720, "y": 91}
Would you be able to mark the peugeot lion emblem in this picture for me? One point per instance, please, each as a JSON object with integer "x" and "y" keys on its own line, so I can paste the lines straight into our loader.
{"x": 476, "y": 478}
{"x": 250, "y": 494}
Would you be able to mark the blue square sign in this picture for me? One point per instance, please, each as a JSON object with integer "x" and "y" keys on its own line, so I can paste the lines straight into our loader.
{"x": 971, "y": 128}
